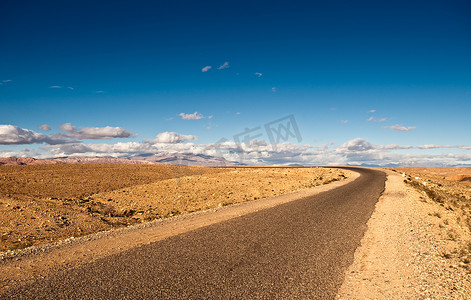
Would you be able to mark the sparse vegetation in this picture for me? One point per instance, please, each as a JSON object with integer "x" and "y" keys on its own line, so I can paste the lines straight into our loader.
{"x": 451, "y": 191}
{"x": 452, "y": 235}
{"x": 450, "y": 194}
{"x": 446, "y": 255}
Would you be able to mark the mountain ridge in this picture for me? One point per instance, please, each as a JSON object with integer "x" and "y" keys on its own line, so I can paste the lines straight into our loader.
{"x": 163, "y": 158}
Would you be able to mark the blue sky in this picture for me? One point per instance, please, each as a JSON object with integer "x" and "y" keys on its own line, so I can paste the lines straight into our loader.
{"x": 357, "y": 76}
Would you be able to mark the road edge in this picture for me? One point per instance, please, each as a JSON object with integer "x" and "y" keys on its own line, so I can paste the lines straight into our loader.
{"x": 401, "y": 252}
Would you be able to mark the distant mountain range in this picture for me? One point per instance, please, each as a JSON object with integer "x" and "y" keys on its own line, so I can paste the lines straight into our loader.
{"x": 186, "y": 159}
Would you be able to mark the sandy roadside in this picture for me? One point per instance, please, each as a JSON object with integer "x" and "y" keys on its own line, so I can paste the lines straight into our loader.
{"x": 36, "y": 262}
{"x": 403, "y": 254}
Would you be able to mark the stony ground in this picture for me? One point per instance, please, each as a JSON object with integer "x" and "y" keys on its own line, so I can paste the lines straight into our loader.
{"x": 414, "y": 248}
{"x": 47, "y": 203}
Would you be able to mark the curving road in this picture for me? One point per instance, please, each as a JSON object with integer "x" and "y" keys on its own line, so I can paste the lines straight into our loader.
{"x": 300, "y": 249}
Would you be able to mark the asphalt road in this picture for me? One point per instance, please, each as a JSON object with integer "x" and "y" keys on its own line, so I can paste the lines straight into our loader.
{"x": 300, "y": 249}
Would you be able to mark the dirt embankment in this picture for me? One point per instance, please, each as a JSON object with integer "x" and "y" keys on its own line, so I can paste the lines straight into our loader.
{"x": 46, "y": 203}
{"x": 415, "y": 247}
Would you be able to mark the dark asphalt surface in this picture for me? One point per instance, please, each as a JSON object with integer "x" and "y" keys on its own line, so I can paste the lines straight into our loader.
{"x": 300, "y": 249}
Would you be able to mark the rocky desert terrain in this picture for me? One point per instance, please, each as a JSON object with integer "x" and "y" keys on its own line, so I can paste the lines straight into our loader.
{"x": 417, "y": 245}
{"x": 448, "y": 187}
{"x": 41, "y": 204}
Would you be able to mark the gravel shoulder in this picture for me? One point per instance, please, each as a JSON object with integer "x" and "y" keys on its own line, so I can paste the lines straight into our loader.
{"x": 407, "y": 251}
{"x": 20, "y": 267}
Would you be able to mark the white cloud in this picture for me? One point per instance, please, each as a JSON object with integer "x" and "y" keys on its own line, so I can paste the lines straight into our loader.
{"x": 324, "y": 147}
{"x": 206, "y": 69}
{"x": 377, "y": 120}
{"x": 400, "y": 127}
{"x": 14, "y": 135}
{"x": 96, "y": 133}
{"x": 361, "y": 145}
{"x": 19, "y": 153}
{"x": 61, "y": 87}
{"x": 173, "y": 138}
{"x": 45, "y": 127}
{"x": 107, "y": 132}
{"x": 258, "y": 74}
{"x": 99, "y": 92}
{"x": 7, "y": 80}
{"x": 357, "y": 144}
{"x": 393, "y": 147}
{"x": 225, "y": 65}
{"x": 433, "y": 146}
{"x": 116, "y": 150}
{"x": 274, "y": 89}
{"x": 66, "y": 127}
{"x": 120, "y": 149}
{"x": 193, "y": 116}
{"x": 344, "y": 121}
{"x": 372, "y": 111}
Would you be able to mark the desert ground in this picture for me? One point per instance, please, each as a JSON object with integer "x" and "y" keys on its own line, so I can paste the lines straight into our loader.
{"x": 448, "y": 187}
{"x": 42, "y": 204}
{"x": 417, "y": 245}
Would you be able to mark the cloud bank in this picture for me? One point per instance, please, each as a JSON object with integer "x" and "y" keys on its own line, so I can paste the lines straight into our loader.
{"x": 358, "y": 151}
{"x": 353, "y": 152}
{"x": 173, "y": 138}
{"x": 14, "y": 135}
{"x": 94, "y": 133}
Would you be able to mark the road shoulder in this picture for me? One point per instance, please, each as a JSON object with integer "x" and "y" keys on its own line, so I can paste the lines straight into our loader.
{"x": 403, "y": 254}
